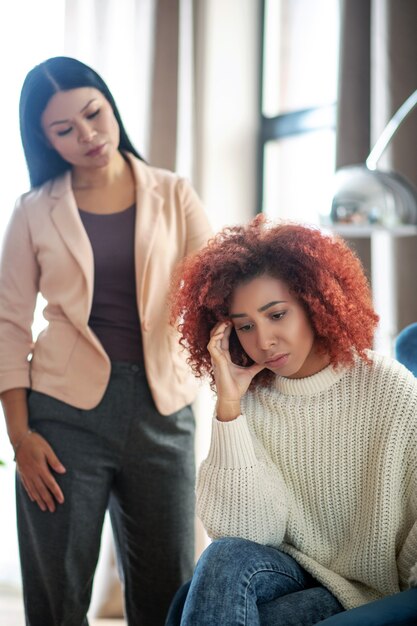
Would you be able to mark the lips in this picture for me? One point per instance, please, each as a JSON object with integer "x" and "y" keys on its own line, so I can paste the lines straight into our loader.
{"x": 95, "y": 151}
{"x": 277, "y": 361}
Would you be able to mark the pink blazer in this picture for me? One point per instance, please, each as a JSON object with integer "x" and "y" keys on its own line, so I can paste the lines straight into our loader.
{"x": 47, "y": 250}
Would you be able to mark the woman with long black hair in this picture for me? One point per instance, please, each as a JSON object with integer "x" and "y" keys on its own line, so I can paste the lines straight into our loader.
{"x": 98, "y": 407}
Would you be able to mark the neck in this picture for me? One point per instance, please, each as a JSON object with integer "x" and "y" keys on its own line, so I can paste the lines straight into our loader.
{"x": 86, "y": 178}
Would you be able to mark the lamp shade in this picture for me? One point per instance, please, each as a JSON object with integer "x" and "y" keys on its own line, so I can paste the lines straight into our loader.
{"x": 364, "y": 196}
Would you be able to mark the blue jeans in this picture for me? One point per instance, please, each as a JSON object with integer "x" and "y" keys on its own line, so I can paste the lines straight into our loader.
{"x": 399, "y": 610}
{"x": 242, "y": 583}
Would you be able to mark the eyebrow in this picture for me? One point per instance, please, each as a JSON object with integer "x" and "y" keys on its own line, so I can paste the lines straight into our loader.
{"x": 260, "y": 310}
{"x": 67, "y": 121}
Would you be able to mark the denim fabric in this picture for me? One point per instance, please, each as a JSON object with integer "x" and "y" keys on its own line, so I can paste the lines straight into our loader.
{"x": 397, "y": 610}
{"x": 241, "y": 583}
{"x": 125, "y": 456}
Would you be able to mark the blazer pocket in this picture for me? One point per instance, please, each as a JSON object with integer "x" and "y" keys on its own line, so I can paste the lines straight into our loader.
{"x": 54, "y": 347}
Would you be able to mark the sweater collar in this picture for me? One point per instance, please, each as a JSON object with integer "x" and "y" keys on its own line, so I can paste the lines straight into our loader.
{"x": 311, "y": 384}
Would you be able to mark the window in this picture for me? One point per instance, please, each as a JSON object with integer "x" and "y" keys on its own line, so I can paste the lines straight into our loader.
{"x": 299, "y": 70}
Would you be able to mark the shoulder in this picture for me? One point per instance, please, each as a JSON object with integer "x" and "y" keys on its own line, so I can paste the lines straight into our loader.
{"x": 381, "y": 370}
{"x": 34, "y": 196}
{"x": 382, "y": 367}
{"x": 32, "y": 209}
{"x": 48, "y": 193}
{"x": 30, "y": 206}
{"x": 387, "y": 385}
{"x": 163, "y": 180}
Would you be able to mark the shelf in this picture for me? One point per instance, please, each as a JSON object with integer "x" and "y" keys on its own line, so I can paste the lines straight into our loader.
{"x": 367, "y": 231}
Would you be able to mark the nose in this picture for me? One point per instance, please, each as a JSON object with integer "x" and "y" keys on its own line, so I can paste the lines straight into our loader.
{"x": 85, "y": 132}
{"x": 266, "y": 338}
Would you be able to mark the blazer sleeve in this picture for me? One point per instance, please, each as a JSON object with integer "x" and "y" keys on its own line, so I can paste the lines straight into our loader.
{"x": 19, "y": 286}
{"x": 197, "y": 223}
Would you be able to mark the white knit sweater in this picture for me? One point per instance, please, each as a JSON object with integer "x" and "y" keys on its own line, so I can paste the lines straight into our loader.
{"x": 325, "y": 468}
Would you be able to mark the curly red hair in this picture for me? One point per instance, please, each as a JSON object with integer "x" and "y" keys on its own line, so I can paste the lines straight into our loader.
{"x": 320, "y": 269}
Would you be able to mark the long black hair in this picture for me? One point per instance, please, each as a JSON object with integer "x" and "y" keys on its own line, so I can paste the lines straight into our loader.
{"x": 41, "y": 83}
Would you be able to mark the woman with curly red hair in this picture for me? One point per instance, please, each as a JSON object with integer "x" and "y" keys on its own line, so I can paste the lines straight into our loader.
{"x": 309, "y": 487}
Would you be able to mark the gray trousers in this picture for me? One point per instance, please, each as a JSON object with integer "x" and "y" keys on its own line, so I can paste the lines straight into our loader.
{"x": 122, "y": 455}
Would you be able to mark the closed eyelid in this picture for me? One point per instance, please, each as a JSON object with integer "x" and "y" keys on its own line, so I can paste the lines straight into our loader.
{"x": 63, "y": 132}
{"x": 245, "y": 326}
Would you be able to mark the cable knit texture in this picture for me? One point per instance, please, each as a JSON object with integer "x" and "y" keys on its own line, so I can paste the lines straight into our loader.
{"x": 325, "y": 468}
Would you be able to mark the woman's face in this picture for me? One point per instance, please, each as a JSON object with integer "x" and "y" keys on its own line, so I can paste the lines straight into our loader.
{"x": 273, "y": 328}
{"x": 80, "y": 125}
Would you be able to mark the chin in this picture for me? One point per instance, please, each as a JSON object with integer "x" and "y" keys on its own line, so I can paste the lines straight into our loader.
{"x": 103, "y": 161}
{"x": 281, "y": 371}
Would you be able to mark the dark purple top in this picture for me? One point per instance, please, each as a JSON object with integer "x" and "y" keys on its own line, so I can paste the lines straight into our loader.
{"x": 114, "y": 313}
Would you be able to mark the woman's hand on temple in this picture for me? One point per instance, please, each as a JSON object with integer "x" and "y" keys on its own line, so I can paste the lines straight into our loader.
{"x": 232, "y": 381}
{"x": 34, "y": 460}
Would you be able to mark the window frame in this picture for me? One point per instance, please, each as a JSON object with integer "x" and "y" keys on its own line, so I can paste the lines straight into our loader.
{"x": 284, "y": 125}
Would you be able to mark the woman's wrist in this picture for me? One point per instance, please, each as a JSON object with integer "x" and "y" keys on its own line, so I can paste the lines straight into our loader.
{"x": 227, "y": 410}
{"x": 18, "y": 441}
{"x": 15, "y": 409}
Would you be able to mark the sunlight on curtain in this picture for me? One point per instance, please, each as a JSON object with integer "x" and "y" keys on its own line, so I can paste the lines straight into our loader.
{"x": 309, "y": 156}
{"x": 29, "y": 33}
{"x": 300, "y": 55}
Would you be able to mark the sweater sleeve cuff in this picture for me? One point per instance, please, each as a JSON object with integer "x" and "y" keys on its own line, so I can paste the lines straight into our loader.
{"x": 231, "y": 445}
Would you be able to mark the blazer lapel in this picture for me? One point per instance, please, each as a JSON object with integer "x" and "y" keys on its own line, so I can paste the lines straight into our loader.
{"x": 67, "y": 221}
{"x": 149, "y": 205}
